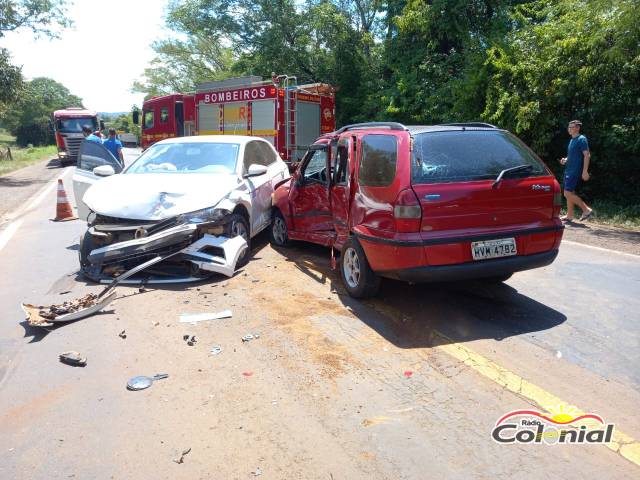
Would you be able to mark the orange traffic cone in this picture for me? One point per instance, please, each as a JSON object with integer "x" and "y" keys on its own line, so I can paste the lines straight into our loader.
{"x": 63, "y": 207}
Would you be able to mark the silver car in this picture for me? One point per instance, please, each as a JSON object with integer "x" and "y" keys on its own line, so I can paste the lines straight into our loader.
{"x": 195, "y": 201}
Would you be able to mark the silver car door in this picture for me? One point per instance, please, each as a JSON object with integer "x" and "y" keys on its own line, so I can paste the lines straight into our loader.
{"x": 90, "y": 156}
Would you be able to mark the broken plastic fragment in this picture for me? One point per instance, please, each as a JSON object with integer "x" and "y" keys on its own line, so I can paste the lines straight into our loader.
{"x": 73, "y": 358}
{"x": 199, "y": 317}
{"x": 181, "y": 458}
{"x": 250, "y": 336}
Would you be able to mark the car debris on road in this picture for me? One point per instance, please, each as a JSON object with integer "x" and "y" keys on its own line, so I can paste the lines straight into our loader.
{"x": 73, "y": 358}
{"x": 141, "y": 382}
{"x": 250, "y": 336}
{"x": 180, "y": 459}
{"x": 47, "y": 316}
{"x": 200, "y": 317}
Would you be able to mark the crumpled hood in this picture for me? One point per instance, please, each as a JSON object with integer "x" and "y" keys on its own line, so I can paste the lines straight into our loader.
{"x": 156, "y": 196}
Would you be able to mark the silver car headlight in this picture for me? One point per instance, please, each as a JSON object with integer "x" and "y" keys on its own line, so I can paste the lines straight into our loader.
{"x": 205, "y": 215}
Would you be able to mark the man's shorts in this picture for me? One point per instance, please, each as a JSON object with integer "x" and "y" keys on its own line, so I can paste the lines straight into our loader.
{"x": 571, "y": 182}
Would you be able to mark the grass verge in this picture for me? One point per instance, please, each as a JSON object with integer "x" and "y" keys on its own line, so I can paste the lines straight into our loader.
{"x": 22, "y": 157}
{"x": 613, "y": 214}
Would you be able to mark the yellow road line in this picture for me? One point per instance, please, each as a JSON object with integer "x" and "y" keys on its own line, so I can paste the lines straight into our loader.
{"x": 623, "y": 444}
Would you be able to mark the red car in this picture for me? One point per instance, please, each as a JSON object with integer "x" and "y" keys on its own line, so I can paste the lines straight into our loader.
{"x": 422, "y": 203}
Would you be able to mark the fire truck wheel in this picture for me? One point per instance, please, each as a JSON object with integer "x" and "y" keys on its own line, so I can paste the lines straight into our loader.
{"x": 238, "y": 225}
{"x": 279, "y": 234}
{"x": 357, "y": 276}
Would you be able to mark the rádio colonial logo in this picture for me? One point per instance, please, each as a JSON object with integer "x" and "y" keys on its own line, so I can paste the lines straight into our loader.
{"x": 563, "y": 425}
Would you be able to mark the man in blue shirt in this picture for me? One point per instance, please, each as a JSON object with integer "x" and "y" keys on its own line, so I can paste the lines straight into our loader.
{"x": 576, "y": 169}
{"x": 89, "y": 136}
{"x": 114, "y": 145}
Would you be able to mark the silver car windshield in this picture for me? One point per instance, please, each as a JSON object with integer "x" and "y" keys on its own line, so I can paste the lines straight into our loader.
{"x": 197, "y": 157}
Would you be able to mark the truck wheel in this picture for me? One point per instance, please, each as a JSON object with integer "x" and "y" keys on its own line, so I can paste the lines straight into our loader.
{"x": 237, "y": 225}
{"x": 357, "y": 276}
{"x": 279, "y": 234}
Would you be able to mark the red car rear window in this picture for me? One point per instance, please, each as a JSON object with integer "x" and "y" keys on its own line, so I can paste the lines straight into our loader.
{"x": 465, "y": 155}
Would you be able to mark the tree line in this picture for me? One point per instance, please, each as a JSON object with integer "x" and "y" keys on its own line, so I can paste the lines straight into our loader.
{"x": 527, "y": 66}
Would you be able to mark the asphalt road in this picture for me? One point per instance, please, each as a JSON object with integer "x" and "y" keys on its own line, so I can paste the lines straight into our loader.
{"x": 408, "y": 385}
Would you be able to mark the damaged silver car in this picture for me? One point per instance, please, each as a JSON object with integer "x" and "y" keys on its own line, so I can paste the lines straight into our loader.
{"x": 196, "y": 201}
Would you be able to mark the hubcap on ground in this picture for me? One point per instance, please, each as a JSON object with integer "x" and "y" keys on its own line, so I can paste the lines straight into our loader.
{"x": 279, "y": 230}
{"x": 351, "y": 267}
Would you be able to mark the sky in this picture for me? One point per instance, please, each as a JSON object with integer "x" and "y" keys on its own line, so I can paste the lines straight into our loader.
{"x": 98, "y": 58}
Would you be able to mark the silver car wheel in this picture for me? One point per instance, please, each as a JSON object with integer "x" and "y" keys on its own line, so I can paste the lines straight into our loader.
{"x": 279, "y": 230}
{"x": 351, "y": 267}
{"x": 238, "y": 229}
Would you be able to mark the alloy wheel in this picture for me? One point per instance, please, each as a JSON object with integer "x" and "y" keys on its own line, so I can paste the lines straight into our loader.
{"x": 279, "y": 230}
{"x": 351, "y": 267}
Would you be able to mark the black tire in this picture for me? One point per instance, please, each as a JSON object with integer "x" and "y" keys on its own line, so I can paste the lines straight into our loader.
{"x": 498, "y": 278}
{"x": 278, "y": 231}
{"x": 239, "y": 223}
{"x": 363, "y": 284}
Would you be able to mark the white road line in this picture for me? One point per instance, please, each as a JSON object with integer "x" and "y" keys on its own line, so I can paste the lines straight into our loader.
{"x": 632, "y": 255}
{"x": 8, "y": 232}
{"x": 12, "y": 228}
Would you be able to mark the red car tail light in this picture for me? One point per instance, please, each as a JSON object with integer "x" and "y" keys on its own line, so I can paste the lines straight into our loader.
{"x": 407, "y": 212}
{"x": 557, "y": 199}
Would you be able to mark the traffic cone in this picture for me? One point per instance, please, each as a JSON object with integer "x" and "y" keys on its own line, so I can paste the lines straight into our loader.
{"x": 64, "y": 213}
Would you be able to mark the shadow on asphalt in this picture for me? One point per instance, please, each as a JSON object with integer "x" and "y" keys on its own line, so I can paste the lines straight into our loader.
{"x": 426, "y": 315}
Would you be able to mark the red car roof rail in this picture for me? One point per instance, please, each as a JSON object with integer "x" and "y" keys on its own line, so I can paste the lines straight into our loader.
{"x": 468, "y": 124}
{"x": 356, "y": 126}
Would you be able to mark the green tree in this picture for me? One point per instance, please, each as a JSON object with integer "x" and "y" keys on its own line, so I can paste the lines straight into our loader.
{"x": 573, "y": 59}
{"x": 41, "y": 96}
{"x": 42, "y": 17}
{"x": 10, "y": 80}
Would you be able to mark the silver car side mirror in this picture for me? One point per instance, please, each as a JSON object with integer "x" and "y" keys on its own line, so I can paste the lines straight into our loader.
{"x": 104, "y": 171}
{"x": 255, "y": 170}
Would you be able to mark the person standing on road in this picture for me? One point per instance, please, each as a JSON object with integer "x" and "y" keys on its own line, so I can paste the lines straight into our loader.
{"x": 576, "y": 169}
{"x": 89, "y": 136}
{"x": 114, "y": 145}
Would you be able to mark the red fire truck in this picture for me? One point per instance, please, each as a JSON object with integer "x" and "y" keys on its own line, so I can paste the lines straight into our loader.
{"x": 67, "y": 125}
{"x": 288, "y": 115}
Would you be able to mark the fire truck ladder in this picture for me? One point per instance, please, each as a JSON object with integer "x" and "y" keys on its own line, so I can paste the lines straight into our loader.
{"x": 290, "y": 84}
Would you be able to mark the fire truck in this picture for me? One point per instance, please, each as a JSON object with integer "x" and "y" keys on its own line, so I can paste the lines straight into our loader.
{"x": 67, "y": 126}
{"x": 288, "y": 115}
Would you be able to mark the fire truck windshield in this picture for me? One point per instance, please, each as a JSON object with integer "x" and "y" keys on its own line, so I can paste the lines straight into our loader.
{"x": 74, "y": 125}
{"x": 191, "y": 157}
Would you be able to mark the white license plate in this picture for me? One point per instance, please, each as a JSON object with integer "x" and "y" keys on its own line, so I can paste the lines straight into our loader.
{"x": 504, "y": 247}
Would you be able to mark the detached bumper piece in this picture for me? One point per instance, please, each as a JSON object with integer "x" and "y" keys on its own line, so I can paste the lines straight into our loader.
{"x": 206, "y": 254}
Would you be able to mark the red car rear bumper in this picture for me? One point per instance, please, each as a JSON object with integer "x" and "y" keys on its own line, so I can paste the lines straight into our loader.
{"x": 423, "y": 257}
{"x": 496, "y": 267}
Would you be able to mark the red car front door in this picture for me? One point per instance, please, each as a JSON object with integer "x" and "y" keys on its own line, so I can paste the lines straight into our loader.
{"x": 310, "y": 195}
